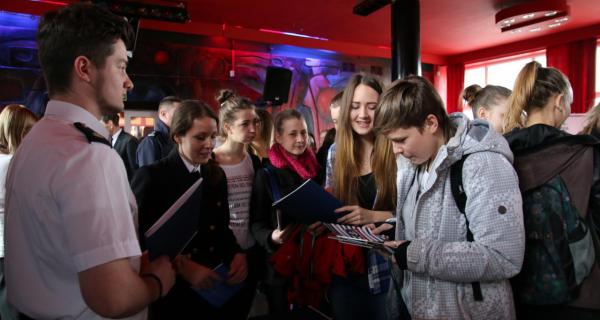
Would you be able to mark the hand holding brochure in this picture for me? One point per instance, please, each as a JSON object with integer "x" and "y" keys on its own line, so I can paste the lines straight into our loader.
{"x": 357, "y": 235}
{"x": 177, "y": 226}
{"x": 221, "y": 292}
{"x": 307, "y": 204}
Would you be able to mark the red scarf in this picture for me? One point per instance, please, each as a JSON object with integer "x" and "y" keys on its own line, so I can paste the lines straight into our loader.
{"x": 305, "y": 165}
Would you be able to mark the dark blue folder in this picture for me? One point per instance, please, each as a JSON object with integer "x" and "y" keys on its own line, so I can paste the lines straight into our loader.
{"x": 309, "y": 203}
{"x": 221, "y": 292}
{"x": 176, "y": 228}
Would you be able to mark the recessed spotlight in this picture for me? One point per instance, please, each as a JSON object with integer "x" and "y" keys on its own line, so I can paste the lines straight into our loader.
{"x": 533, "y": 15}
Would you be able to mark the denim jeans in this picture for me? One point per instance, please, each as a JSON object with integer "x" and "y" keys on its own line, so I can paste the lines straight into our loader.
{"x": 351, "y": 299}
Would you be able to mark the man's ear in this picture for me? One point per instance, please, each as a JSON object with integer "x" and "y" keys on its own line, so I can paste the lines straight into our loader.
{"x": 431, "y": 123}
{"x": 83, "y": 68}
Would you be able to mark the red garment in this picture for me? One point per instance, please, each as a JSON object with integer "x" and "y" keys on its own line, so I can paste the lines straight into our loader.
{"x": 305, "y": 166}
{"x": 312, "y": 265}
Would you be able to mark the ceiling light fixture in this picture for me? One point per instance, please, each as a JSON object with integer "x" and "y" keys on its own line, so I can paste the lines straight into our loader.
{"x": 137, "y": 9}
{"x": 533, "y": 15}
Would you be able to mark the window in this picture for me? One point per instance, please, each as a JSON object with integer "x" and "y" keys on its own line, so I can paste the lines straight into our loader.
{"x": 501, "y": 72}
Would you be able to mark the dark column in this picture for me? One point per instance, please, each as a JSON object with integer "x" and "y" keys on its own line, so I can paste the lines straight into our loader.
{"x": 406, "y": 32}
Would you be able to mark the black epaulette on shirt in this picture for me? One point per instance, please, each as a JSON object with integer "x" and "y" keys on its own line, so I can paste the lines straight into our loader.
{"x": 90, "y": 134}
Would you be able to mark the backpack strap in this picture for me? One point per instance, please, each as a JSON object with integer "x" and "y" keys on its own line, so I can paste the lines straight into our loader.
{"x": 460, "y": 197}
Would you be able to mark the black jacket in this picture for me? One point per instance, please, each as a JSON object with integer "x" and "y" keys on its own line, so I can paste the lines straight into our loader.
{"x": 542, "y": 152}
{"x": 155, "y": 146}
{"x": 126, "y": 146}
{"x": 158, "y": 186}
{"x": 263, "y": 218}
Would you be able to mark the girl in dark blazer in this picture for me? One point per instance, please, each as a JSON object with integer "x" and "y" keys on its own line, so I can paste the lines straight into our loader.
{"x": 158, "y": 186}
{"x": 292, "y": 162}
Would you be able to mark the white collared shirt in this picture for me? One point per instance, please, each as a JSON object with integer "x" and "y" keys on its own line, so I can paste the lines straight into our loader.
{"x": 69, "y": 208}
{"x": 113, "y": 140}
{"x": 190, "y": 167}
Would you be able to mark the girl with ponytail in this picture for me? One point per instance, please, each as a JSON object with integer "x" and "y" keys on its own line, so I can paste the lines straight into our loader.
{"x": 535, "y": 89}
{"x": 546, "y": 157}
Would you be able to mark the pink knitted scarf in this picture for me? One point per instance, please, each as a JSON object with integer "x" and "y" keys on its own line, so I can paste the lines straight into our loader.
{"x": 305, "y": 165}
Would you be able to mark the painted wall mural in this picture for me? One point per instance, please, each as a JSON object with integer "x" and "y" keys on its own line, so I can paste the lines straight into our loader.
{"x": 193, "y": 67}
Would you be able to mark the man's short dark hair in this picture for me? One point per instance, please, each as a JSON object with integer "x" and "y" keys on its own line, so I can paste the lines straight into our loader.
{"x": 114, "y": 118}
{"x": 77, "y": 30}
{"x": 167, "y": 102}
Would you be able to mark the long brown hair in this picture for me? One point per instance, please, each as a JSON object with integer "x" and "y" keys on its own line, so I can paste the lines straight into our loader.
{"x": 15, "y": 121}
{"x": 346, "y": 168}
{"x": 533, "y": 87}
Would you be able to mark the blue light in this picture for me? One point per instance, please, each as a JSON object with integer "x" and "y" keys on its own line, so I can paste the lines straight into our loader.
{"x": 18, "y": 20}
{"x": 300, "y": 52}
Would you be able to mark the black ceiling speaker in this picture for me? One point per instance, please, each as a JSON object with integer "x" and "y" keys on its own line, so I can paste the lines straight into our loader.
{"x": 277, "y": 85}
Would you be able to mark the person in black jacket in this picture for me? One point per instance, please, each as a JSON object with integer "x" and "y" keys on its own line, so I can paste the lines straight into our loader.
{"x": 291, "y": 163}
{"x": 158, "y": 143}
{"x": 159, "y": 185}
{"x": 123, "y": 143}
{"x": 540, "y": 104}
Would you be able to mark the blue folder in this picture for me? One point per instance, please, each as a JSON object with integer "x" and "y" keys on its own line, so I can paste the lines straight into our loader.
{"x": 309, "y": 203}
{"x": 176, "y": 228}
{"x": 221, "y": 292}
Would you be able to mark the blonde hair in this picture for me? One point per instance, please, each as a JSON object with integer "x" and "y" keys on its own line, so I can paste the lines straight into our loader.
{"x": 592, "y": 120}
{"x": 346, "y": 168}
{"x": 533, "y": 87}
{"x": 15, "y": 122}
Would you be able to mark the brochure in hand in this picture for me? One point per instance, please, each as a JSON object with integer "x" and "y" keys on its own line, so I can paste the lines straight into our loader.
{"x": 221, "y": 292}
{"x": 358, "y": 236}
{"x": 177, "y": 226}
{"x": 307, "y": 204}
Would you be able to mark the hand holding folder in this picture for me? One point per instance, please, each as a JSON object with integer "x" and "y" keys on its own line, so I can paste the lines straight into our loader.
{"x": 221, "y": 292}
{"x": 358, "y": 236}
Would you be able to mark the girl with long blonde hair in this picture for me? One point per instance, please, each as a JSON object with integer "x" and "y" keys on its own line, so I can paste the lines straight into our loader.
{"x": 361, "y": 172}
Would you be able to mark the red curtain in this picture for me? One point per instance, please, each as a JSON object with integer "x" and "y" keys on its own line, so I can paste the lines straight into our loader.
{"x": 456, "y": 79}
{"x": 577, "y": 60}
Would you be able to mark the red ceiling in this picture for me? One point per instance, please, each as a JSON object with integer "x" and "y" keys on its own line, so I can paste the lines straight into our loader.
{"x": 448, "y": 27}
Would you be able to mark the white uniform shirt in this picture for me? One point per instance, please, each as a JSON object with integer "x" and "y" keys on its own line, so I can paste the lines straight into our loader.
{"x": 69, "y": 208}
{"x": 4, "y": 162}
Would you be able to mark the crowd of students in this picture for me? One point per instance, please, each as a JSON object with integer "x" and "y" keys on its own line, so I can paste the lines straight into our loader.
{"x": 492, "y": 218}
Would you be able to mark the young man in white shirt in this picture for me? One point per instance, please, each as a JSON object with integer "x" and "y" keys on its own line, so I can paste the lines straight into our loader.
{"x": 71, "y": 245}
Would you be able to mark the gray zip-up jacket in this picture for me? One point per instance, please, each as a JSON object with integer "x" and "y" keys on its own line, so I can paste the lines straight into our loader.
{"x": 441, "y": 264}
